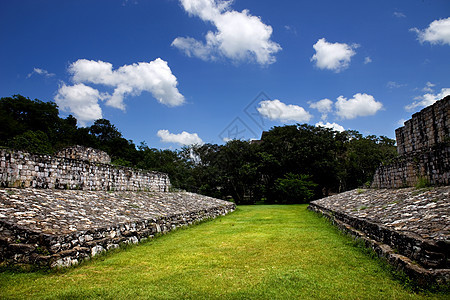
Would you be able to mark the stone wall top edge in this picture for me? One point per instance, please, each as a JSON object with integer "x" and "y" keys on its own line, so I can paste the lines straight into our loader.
{"x": 407, "y": 123}
{"x": 93, "y": 231}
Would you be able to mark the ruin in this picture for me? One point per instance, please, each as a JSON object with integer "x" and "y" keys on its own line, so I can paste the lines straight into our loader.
{"x": 423, "y": 145}
{"x": 56, "y": 211}
{"x": 408, "y": 226}
{"x": 75, "y": 168}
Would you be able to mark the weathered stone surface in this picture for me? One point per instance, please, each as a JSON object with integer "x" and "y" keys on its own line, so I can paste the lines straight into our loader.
{"x": 59, "y": 228}
{"x": 22, "y": 169}
{"x": 85, "y": 153}
{"x": 424, "y": 148}
{"x": 426, "y": 129}
{"x": 432, "y": 165}
{"x": 410, "y": 227}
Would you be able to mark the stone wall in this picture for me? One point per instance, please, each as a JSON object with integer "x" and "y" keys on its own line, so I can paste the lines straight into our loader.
{"x": 408, "y": 227}
{"x": 424, "y": 148}
{"x": 60, "y": 228}
{"x": 22, "y": 169}
{"x": 433, "y": 166}
{"x": 427, "y": 128}
{"x": 85, "y": 153}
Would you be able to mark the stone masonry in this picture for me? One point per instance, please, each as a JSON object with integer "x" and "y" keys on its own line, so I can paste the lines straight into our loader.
{"x": 56, "y": 211}
{"x": 424, "y": 148}
{"x": 85, "y": 153}
{"x": 427, "y": 128}
{"x": 409, "y": 227}
{"x": 60, "y": 228}
{"x": 22, "y": 169}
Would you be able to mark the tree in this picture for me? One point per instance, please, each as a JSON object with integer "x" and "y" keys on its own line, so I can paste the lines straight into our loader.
{"x": 19, "y": 114}
{"x": 32, "y": 141}
{"x": 295, "y": 188}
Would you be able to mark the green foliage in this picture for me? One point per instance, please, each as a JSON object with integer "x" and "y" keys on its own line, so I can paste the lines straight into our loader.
{"x": 422, "y": 182}
{"x": 19, "y": 114}
{"x": 254, "y": 172}
{"x": 295, "y": 188}
{"x": 32, "y": 141}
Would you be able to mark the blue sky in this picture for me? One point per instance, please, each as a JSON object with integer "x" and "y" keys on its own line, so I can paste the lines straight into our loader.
{"x": 174, "y": 72}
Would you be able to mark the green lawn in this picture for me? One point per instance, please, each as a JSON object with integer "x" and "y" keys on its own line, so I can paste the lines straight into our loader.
{"x": 257, "y": 252}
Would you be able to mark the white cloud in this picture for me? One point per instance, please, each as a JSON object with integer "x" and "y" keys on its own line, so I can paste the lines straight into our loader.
{"x": 81, "y": 100}
{"x": 324, "y": 106}
{"x": 184, "y": 138}
{"x": 239, "y": 36}
{"x": 154, "y": 77}
{"x": 429, "y": 87}
{"x": 393, "y": 84}
{"x": 427, "y": 99}
{"x": 367, "y": 60}
{"x": 277, "y": 110}
{"x": 438, "y": 32}
{"x": 399, "y": 14}
{"x": 40, "y": 72}
{"x": 333, "y": 56}
{"x": 333, "y": 126}
{"x": 360, "y": 105}
{"x": 401, "y": 122}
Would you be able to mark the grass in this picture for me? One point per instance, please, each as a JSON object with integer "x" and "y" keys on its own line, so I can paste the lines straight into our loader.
{"x": 257, "y": 252}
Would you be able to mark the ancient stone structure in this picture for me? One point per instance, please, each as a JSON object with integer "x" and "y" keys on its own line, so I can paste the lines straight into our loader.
{"x": 56, "y": 211}
{"x": 426, "y": 129}
{"x": 85, "y": 153}
{"x": 22, "y": 169}
{"x": 60, "y": 228}
{"x": 408, "y": 227}
{"x": 424, "y": 148}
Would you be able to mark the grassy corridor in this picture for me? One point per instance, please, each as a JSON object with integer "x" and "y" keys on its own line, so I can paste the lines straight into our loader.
{"x": 257, "y": 252}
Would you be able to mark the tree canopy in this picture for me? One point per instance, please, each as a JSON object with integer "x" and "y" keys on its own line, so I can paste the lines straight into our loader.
{"x": 291, "y": 163}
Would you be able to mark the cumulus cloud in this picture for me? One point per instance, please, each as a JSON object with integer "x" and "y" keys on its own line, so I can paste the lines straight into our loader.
{"x": 333, "y": 126}
{"x": 333, "y": 56}
{"x": 81, "y": 100}
{"x": 279, "y": 111}
{"x": 42, "y": 72}
{"x": 438, "y": 32}
{"x": 360, "y": 105}
{"x": 154, "y": 77}
{"x": 324, "y": 106}
{"x": 239, "y": 36}
{"x": 184, "y": 138}
{"x": 427, "y": 99}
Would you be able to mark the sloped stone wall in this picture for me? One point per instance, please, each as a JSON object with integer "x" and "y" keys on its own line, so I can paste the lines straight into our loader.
{"x": 22, "y": 169}
{"x": 408, "y": 227}
{"x": 424, "y": 148}
{"x": 60, "y": 228}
